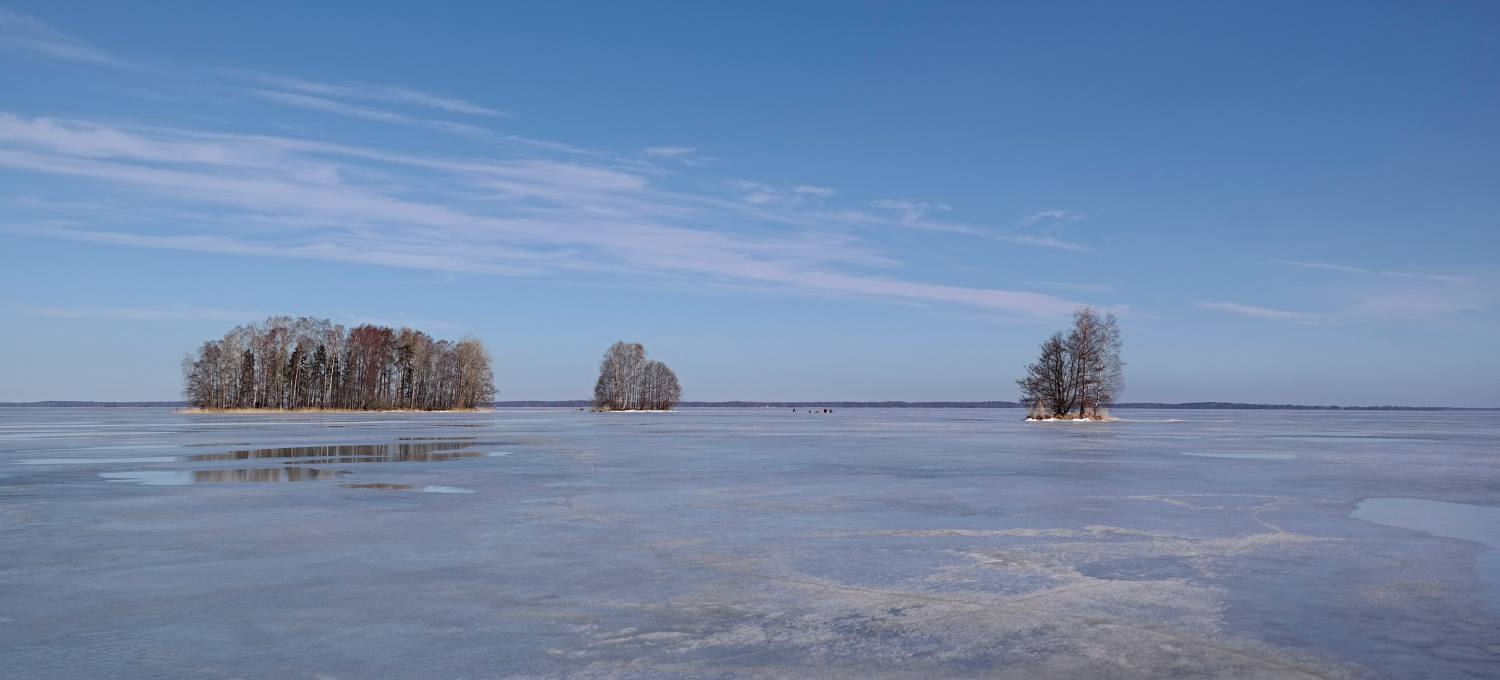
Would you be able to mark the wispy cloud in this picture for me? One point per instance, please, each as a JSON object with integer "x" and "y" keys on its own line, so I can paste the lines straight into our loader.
{"x": 381, "y": 252}
{"x": 755, "y": 192}
{"x": 1049, "y": 242}
{"x": 1051, "y": 220}
{"x": 1413, "y": 304}
{"x": 344, "y": 109}
{"x": 1096, "y": 288}
{"x": 516, "y": 215}
{"x": 25, "y": 33}
{"x": 813, "y": 191}
{"x": 910, "y": 212}
{"x": 689, "y": 156}
{"x": 1397, "y": 306}
{"x": 800, "y": 195}
{"x": 1262, "y": 312}
{"x": 377, "y": 93}
{"x": 1348, "y": 269}
{"x": 336, "y": 107}
{"x": 330, "y": 106}
{"x": 671, "y": 151}
{"x": 1045, "y": 229}
{"x": 890, "y": 213}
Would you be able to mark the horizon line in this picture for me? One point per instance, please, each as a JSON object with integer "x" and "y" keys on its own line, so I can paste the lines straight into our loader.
{"x": 843, "y": 403}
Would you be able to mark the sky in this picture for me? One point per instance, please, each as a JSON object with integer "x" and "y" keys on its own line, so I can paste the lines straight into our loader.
{"x": 1282, "y": 202}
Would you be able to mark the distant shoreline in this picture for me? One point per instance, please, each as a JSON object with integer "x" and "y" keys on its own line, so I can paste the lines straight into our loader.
{"x": 579, "y": 403}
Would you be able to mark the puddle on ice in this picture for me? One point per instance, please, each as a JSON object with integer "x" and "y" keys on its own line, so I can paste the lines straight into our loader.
{"x": 378, "y": 486}
{"x": 389, "y": 486}
{"x": 354, "y": 453}
{"x": 1476, "y": 523}
{"x": 500, "y": 454}
{"x": 151, "y": 477}
{"x": 296, "y": 460}
{"x": 1245, "y": 456}
{"x": 238, "y": 476}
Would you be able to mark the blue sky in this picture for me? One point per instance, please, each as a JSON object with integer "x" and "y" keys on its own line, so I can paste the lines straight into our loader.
{"x": 849, "y": 201}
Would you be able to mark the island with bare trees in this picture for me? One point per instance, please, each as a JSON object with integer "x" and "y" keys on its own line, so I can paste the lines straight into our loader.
{"x": 1078, "y": 375}
{"x": 314, "y": 364}
{"x": 628, "y": 381}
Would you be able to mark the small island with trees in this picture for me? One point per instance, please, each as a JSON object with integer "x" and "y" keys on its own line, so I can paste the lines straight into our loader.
{"x": 295, "y": 364}
{"x": 628, "y": 381}
{"x": 315, "y": 364}
{"x": 1078, "y": 375}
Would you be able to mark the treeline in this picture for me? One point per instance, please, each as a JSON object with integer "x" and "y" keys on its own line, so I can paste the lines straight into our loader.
{"x": 628, "y": 381}
{"x": 1079, "y": 374}
{"x": 306, "y": 363}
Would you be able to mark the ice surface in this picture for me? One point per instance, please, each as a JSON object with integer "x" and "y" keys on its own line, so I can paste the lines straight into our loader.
{"x": 1243, "y": 455}
{"x": 96, "y": 461}
{"x": 747, "y": 543}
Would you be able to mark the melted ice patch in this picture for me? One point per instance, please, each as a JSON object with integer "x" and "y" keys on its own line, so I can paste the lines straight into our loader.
{"x": 1475, "y": 523}
{"x": 151, "y": 477}
{"x": 444, "y": 489}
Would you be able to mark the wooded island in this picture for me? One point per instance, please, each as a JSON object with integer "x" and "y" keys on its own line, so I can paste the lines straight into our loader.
{"x": 306, "y": 363}
{"x": 1078, "y": 375}
{"x": 628, "y": 381}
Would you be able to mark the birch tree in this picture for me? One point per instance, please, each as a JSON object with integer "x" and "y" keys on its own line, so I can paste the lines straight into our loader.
{"x": 628, "y": 381}
{"x": 1077, "y": 375}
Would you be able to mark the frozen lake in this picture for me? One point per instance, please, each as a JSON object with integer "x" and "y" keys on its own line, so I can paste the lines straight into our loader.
{"x": 708, "y": 543}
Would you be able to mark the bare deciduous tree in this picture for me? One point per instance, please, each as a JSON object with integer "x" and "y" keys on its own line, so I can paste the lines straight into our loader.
{"x": 313, "y": 363}
{"x": 1047, "y": 388}
{"x": 628, "y": 381}
{"x": 1077, "y": 375}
